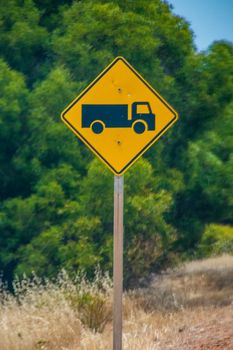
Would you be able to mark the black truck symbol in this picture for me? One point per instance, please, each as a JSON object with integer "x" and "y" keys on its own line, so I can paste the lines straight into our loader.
{"x": 100, "y": 116}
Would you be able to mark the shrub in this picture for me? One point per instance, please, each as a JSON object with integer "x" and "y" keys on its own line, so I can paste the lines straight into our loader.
{"x": 92, "y": 300}
{"x": 216, "y": 240}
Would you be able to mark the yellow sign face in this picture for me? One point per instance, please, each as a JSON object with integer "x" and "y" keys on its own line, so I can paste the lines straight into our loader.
{"x": 119, "y": 116}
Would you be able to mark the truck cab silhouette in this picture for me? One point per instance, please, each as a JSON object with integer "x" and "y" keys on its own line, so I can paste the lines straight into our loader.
{"x": 97, "y": 117}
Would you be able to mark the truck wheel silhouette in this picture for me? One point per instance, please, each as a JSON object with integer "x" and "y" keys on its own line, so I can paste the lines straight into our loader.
{"x": 139, "y": 126}
{"x": 97, "y": 126}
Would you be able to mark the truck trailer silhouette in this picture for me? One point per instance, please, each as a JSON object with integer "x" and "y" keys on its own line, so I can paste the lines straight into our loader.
{"x": 97, "y": 117}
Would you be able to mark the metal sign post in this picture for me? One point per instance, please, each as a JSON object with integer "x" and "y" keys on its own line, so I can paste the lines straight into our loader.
{"x": 118, "y": 261}
{"x": 119, "y": 116}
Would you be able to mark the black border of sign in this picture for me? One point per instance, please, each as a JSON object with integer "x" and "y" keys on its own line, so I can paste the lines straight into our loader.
{"x": 89, "y": 87}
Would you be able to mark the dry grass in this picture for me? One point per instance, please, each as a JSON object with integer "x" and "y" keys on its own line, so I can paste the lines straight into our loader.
{"x": 198, "y": 283}
{"x": 220, "y": 264}
{"x": 76, "y": 315}
{"x": 39, "y": 317}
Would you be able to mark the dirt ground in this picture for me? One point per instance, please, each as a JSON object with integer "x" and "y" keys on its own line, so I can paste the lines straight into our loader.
{"x": 210, "y": 329}
{"x": 190, "y": 308}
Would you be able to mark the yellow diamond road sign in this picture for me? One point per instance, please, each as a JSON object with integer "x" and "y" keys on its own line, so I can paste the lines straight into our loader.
{"x": 119, "y": 116}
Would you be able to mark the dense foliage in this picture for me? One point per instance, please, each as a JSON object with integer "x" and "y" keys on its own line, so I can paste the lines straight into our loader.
{"x": 56, "y": 199}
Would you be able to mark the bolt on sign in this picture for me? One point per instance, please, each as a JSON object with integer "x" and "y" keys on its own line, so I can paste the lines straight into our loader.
{"x": 119, "y": 116}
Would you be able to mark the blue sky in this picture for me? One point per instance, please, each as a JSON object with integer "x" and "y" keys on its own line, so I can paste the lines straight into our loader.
{"x": 210, "y": 19}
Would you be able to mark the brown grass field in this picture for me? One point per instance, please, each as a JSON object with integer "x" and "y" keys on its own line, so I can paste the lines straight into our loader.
{"x": 188, "y": 308}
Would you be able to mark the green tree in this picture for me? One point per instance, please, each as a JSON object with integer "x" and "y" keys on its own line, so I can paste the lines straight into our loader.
{"x": 159, "y": 39}
{"x": 48, "y": 143}
{"x": 23, "y": 42}
{"x": 56, "y": 202}
{"x": 13, "y": 122}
